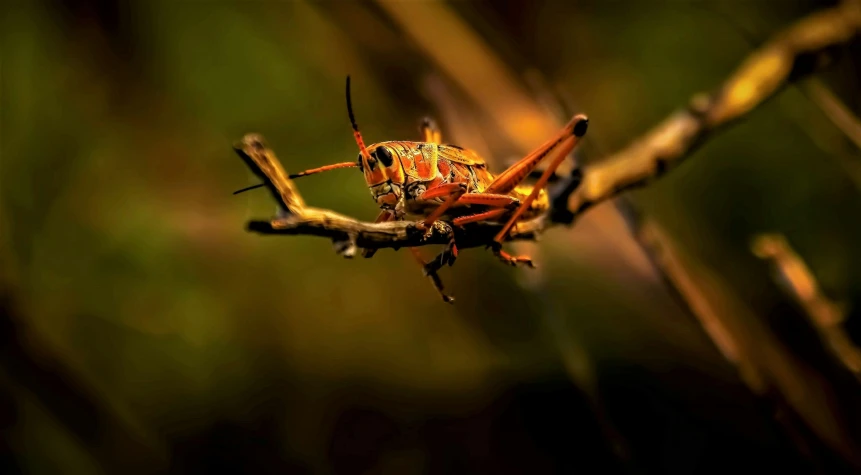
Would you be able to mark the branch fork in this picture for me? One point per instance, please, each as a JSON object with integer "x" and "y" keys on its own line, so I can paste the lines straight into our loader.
{"x": 800, "y": 50}
{"x": 348, "y": 235}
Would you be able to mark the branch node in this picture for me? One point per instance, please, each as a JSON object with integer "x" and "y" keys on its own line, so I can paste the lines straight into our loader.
{"x": 346, "y": 247}
{"x": 700, "y": 104}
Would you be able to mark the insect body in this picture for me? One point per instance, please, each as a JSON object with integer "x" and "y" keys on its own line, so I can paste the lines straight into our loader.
{"x": 399, "y": 175}
{"x": 434, "y": 181}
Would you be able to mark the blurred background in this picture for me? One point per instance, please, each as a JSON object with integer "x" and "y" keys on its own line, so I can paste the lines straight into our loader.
{"x": 145, "y": 331}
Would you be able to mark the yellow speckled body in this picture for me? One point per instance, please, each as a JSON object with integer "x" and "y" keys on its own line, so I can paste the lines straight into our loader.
{"x": 399, "y": 172}
{"x": 434, "y": 181}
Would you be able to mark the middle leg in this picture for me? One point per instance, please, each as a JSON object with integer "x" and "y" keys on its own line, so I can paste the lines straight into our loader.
{"x": 457, "y": 196}
{"x": 451, "y": 191}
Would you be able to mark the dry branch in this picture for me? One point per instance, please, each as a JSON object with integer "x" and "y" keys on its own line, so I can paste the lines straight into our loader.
{"x": 798, "y": 281}
{"x": 836, "y": 111}
{"x": 348, "y": 233}
{"x": 801, "y": 49}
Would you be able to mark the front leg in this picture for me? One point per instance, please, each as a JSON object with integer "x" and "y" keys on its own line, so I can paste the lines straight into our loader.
{"x": 430, "y": 271}
{"x": 450, "y": 191}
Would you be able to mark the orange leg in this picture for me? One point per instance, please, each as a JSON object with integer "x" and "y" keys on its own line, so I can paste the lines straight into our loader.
{"x": 566, "y": 148}
{"x": 510, "y": 178}
{"x": 507, "y": 258}
{"x": 488, "y": 199}
{"x": 457, "y": 196}
{"x": 485, "y": 216}
{"x": 514, "y": 175}
{"x": 453, "y": 191}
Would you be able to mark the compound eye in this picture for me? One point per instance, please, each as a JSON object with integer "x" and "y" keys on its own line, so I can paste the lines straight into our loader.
{"x": 384, "y": 156}
{"x": 359, "y": 162}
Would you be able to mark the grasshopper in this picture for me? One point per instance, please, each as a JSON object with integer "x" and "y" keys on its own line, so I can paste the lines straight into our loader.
{"x": 435, "y": 181}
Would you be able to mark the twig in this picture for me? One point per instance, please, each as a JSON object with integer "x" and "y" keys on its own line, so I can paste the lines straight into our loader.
{"x": 818, "y": 94}
{"x": 835, "y": 110}
{"x": 348, "y": 233}
{"x": 799, "y": 50}
{"x": 798, "y": 281}
{"x": 682, "y": 285}
{"x": 469, "y": 61}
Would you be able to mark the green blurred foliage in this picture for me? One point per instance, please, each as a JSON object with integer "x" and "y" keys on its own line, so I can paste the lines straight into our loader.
{"x": 121, "y": 233}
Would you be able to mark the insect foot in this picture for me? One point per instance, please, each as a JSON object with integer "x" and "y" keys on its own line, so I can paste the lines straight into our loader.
{"x": 435, "y": 231}
{"x": 430, "y": 271}
{"x": 437, "y": 283}
{"x": 507, "y": 258}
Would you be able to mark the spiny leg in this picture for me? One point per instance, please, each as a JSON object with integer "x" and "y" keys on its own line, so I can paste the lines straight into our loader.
{"x": 452, "y": 192}
{"x": 570, "y": 136}
{"x": 564, "y": 150}
{"x": 489, "y": 199}
{"x": 515, "y": 174}
{"x": 456, "y": 195}
{"x": 484, "y": 216}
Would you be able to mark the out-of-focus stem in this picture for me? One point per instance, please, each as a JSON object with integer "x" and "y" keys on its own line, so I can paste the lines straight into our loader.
{"x": 798, "y": 281}
{"x": 763, "y": 363}
{"x": 835, "y": 110}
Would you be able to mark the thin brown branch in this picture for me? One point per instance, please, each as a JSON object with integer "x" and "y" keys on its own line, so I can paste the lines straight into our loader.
{"x": 512, "y": 114}
{"x": 798, "y": 281}
{"x": 347, "y": 233}
{"x": 801, "y": 49}
{"x": 835, "y": 110}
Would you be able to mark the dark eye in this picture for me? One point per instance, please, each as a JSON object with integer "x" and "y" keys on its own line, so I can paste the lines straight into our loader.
{"x": 359, "y": 162}
{"x": 385, "y": 156}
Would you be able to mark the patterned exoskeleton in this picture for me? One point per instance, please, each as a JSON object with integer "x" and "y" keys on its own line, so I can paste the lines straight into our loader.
{"x": 435, "y": 181}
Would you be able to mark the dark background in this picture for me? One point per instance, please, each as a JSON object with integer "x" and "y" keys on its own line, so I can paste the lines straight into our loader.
{"x": 144, "y": 330}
